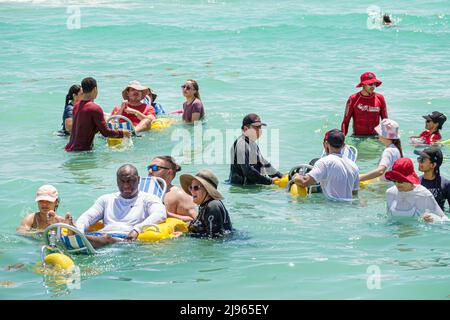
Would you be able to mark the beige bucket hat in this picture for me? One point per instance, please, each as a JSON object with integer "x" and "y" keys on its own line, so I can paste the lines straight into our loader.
{"x": 137, "y": 86}
{"x": 207, "y": 179}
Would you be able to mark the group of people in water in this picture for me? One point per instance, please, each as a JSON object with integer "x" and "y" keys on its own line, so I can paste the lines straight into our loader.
{"x": 83, "y": 118}
{"x": 335, "y": 174}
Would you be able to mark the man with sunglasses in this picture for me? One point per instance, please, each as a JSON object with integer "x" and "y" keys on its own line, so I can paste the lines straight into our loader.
{"x": 430, "y": 160}
{"x": 248, "y": 166}
{"x": 365, "y": 107}
{"x": 178, "y": 203}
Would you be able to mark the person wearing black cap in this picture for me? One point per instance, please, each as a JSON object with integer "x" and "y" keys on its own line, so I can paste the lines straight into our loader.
{"x": 430, "y": 160}
{"x": 433, "y": 124}
{"x": 338, "y": 176}
{"x": 248, "y": 166}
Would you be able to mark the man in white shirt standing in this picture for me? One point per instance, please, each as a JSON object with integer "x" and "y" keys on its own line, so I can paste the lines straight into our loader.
{"x": 124, "y": 213}
{"x": 337, "y": 175}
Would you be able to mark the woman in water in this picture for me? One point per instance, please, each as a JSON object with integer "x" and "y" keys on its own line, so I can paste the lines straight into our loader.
{"x": 213, "y": 219}
{"x": 47, "y": 200}
{"x": 408, "y": 198}
{"x": 193, "y": 107}
{"x": 74, "y": 95}
{"x": 388, "y": 134}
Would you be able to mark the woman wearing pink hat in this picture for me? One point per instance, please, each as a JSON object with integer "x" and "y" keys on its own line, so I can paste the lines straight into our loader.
{"x": 388, "y": 134}
{"x": 408, "y": 198}
{"x": 365, "y": 107}
{"x": 48, "y": 201}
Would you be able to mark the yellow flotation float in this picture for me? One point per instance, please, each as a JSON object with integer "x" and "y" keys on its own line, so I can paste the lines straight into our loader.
{"x": 155, "y": 232}
{"x": 298, "y": 191}
{"x": 294, "y": 189}
{"x": 59, "y": 261}
{"x": 363, "y": 184}
{"x": 162, "y": 123}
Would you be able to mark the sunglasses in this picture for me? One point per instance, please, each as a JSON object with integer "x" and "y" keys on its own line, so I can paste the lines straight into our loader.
{"x": 186, "y": 87}
{"x": 420, "y": 159}
{"x": 194, "y": 188}
{"x": 155, "y": 168}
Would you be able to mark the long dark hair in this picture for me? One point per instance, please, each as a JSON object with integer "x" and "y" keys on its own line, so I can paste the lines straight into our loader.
{"x": 75, "y": 89}
{"x": 195, "y": 84}
{"x": 398, "y": 144}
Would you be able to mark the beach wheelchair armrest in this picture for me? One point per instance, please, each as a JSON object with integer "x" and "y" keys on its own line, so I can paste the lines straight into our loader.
{"x": 57, "y": 235}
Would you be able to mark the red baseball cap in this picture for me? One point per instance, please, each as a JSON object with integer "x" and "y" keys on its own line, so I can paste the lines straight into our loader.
{"x": 403, "y": 171}
{"x": 368, "y": 78}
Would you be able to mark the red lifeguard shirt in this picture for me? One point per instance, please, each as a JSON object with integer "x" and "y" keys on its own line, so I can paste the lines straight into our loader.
{"x": 88, "y": 119}
{"x": 143, "y": 108}
{"x": 430, "y": 137}
{"x": 366, "y": 112}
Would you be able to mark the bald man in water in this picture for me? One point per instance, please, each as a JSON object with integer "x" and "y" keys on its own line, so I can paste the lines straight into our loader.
{"x": 124, "y": 213}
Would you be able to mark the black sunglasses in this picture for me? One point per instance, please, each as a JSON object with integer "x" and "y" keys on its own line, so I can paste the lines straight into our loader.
{"x": 155, "y": 167}
{"x": 186, "y": 87}
{"x": 195, "y": 188}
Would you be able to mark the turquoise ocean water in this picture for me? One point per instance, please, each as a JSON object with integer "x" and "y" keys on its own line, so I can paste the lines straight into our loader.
{"x": 295, "y": 63}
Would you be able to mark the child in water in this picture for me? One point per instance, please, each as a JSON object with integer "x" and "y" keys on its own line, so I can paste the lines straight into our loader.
{"x": 433, "y": 124}
{"x": 48, "y": 201}
{"x": 408, "y": 198}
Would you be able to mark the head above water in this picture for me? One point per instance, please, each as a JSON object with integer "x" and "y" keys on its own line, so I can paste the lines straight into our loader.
{"x": 333, "y": 139}
{"x": 191, "y": 89}
{"x": 436, "y": 118}
{"x": 368, "y": 82}
{"x": 89, "y": 86}
{"x": 166, "y": 168}
{"x": 74, "y": 92}
{"x": 252, "y": 126}
{"x": 47, "y": 198}
{"x": 430, "y": 159}
{"x": 128, "y": 181}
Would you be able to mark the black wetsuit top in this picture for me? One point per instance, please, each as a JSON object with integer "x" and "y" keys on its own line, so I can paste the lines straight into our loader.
{"x": 439, "y": 187}
{"x": 248, "y": 162}
{"x": 212, "y": 220}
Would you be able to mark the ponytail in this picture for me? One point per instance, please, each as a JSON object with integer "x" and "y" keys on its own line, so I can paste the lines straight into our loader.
{"x": 75, "y": 89}
{"x": 398, "y": 144}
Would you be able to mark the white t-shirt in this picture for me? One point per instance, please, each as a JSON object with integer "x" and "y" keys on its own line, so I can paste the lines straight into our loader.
{"x": 338, "y": 176}
{"x": 412, "y": 203}
{"x": 122, "y": 215}
{"x": 388, "y": 157}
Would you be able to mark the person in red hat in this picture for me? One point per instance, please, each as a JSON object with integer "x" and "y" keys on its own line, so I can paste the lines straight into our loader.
{"x": 365, "y": 107}
{"x": 408, "y": 198}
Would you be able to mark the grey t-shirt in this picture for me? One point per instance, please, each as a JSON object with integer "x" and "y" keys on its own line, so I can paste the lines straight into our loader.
{"x": 195, "y": 106}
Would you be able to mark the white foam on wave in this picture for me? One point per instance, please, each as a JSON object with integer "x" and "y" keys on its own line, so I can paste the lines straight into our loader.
{"x": 66, "y": 3}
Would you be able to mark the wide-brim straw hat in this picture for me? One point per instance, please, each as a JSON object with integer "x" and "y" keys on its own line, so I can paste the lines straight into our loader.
{"x": 206, "y": 178}
{"x": 137, "y": 86}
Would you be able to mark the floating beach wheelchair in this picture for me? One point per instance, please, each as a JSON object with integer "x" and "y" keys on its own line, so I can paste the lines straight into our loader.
{"x": 66, "y": 238}
{"x": 286, "y": 181}
{"x": 114, "y": 123}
